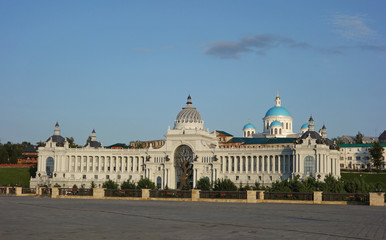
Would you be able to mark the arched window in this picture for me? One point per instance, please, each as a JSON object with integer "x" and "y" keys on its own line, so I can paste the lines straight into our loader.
{"x": 50, "y": 164}
{"x": 280, "y": 131}
{"x": 271, "y": 131}
{"x": 286, "y": 125}
{"x": 159, "y": 182}
{"x": 275, "y": 131}
{"x": 309, "y": 166}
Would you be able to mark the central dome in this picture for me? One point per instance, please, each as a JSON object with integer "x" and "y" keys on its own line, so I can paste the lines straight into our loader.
{"x": 189, "y": 113}
{"x": 189, "y": 117}
{"x": 277, "y": 111}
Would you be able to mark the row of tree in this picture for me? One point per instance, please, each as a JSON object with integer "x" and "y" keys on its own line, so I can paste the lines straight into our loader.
{"x": 9, "y": 152}
{"x": 309, "y": 184}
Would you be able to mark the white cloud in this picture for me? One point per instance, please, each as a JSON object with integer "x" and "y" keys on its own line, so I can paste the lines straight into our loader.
{"x": 142, "y": 49}
{"x": 352, "y": 27}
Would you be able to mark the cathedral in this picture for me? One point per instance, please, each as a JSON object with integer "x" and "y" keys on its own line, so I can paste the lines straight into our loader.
{"x": 189, "y": 152}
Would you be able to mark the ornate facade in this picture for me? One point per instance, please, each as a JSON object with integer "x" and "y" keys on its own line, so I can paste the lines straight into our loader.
{"x": 275, "y": 154}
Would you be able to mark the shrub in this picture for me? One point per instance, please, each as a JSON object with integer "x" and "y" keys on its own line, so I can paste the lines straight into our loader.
{"x": 110, "y": 184}
{"x": 224, "y": 185}
{"x": 146, "y": 183}
{"x": 128, "y": 185}
{"x": 204, "y": 184}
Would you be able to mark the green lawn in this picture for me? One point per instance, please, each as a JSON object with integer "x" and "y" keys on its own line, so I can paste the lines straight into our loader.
{"x": 371, "y": 178}
{"x": 13, "y": 176}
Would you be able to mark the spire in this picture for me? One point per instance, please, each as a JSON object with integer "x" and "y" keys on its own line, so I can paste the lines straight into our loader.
{"x": 189, "y": 102}
{"x": 311, "y": 124}
{"x": 57, "y": 130}
{"x": 277, "y": 100}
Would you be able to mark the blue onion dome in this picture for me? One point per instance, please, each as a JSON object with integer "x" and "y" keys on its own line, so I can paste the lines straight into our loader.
{"x": 305, "y": 126}
{"x": 276, "y": 123}
{"x": 277, "y": 111}
{"x": 249, "y": 126}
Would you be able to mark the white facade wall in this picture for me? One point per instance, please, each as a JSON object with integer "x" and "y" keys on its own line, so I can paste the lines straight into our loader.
{"x": 261, "y": 163}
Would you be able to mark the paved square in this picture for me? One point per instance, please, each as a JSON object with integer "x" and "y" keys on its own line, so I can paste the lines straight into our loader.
{"x": 43, "y": 218}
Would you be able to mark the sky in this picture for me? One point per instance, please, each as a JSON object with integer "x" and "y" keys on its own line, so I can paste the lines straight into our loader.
{"x": 125, "y": 68}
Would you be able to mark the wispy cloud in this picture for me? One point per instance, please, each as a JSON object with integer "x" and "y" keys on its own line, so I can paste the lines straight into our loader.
{"x": 145, "y": 50}
{"x": 352, "y": 27}
{"x": 259, "y": 44}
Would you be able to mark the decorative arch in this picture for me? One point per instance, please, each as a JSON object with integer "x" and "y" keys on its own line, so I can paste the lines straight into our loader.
{"x": 183, "y": 162}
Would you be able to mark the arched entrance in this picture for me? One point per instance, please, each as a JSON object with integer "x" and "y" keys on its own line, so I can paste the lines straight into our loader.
{"x": 183, "y": 162}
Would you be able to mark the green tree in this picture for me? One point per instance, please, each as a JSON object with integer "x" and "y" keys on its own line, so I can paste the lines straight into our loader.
{"x": 146, "y": 183}
{"x": 337, "y": 141}
{"x": 110, "y": 184}
{"x": 224, "y": 185}
{"x": 32, "y": 171}
{"x": 376, "y": 155}
{"x": 204, "y": 184}
{"x": 128, "y": 184}
{"x": 356, "y": 186}
{"x": 359, "y": 138}
{"x": 333, "y": 185}
{"x": 75, "y": 187}
{"x": 257, "y": 186}
{"x": 93, "y": 185}
{"x": 71, "y": 142}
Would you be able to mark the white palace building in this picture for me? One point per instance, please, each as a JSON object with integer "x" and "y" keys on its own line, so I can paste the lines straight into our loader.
{"x": 277, "y": 153}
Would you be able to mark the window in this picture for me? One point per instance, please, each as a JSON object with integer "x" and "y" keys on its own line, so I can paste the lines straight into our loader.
{"x": 84, "y": 176}
{"x": 309, "y": 166}
{"x": 107, "y": 176}
{"x": 349, "y": 158}
{"x": 95, "y": 176}
{"x": 358, "y": 158}
{"x": 119, "y": 177}
{"x": 237, "y": 178}
{"x": 249, "y": 177}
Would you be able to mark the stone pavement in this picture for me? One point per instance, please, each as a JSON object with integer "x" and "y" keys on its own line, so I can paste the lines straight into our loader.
{"x": 44, "y": 218}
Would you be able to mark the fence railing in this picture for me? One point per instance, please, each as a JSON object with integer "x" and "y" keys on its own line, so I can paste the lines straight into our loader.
{"x": 28, "y": 190}
{"x": 357, "y": 197}
{"x": 289, "y": 196}
{"x": 12, "y": 190}
{"x": 46, "y": 192}
{"x": 170, "y": 194}
{"x": 3, "y": 190}
{"x": 224, "y": 194}
{"x": 76, "y": 191}
{"x": 123, "y": 193}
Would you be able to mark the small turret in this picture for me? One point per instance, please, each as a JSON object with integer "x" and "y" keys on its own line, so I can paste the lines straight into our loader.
{"x": 57, "y": 130}
{"x": 324, "y": 131}
{"x": 93, "y": 136}
{"x": 311, "y": 126}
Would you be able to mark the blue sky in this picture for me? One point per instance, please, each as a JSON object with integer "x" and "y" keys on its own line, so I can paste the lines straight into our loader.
{"x": 125, "y": 68}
